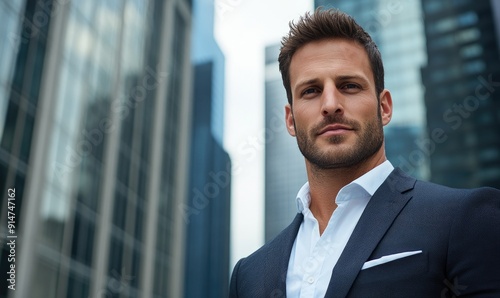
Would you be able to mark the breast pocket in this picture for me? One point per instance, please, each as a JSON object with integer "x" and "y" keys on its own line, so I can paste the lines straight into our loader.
{"x": 397, "y": 270}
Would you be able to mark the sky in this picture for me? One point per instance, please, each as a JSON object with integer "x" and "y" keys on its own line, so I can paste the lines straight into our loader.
{"x": 243, "y": 28}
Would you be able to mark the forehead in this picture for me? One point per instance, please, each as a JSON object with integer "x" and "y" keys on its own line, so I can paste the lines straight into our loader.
{"x": 331, "y": 57}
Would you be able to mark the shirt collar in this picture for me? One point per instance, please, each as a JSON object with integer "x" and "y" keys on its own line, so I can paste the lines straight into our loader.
{"x": 370, "y": 182}
{"x": 303, "y": 197}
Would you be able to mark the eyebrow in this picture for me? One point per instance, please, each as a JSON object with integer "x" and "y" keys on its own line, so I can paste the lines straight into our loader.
{"x": 306, "y": 82}
{"x": 352, "y": 77}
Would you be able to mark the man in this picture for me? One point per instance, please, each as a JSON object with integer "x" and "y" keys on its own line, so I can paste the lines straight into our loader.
{"x": 364, "y": 229}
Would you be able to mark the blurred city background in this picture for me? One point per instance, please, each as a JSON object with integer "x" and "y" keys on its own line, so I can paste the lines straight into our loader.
{"x": 145, "y": 139}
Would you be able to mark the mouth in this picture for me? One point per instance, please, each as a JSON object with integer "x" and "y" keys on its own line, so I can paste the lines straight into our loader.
{"x": 334, "y": 129}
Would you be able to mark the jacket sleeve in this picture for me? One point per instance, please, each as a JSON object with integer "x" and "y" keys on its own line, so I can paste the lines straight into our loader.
{"x": 473, "y": 266}
{"x": 233, "y": 288}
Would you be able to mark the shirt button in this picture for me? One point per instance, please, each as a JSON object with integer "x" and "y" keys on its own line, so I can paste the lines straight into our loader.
{"x": 310, "y": 279}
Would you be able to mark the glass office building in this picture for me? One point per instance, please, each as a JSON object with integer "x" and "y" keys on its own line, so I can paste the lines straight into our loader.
{"x": 94, "y": 118}
{"x": 285, "y": 170}
{"x": 461, "y": 77}
{"x": 208, "y": 201}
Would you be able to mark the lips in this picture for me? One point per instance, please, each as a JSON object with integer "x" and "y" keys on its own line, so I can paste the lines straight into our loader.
{"x": 334, "y": 129}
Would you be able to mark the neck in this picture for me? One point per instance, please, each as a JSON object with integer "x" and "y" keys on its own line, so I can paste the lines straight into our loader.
{"x": 325, "y": 184}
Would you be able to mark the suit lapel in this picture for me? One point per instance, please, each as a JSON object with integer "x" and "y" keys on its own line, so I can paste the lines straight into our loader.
{"x": 386, "y": 203}
{"x": 278, "y": 257}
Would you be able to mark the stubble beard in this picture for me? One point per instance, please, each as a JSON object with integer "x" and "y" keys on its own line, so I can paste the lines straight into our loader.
{"x": 370, "y": 138}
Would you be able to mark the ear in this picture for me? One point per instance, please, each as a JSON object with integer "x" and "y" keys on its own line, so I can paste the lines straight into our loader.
{"x": 290, "y": 126}
{"x": 386, "y": 106}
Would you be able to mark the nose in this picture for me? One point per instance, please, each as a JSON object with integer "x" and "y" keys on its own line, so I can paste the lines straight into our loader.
{"x": 331, "y": 101}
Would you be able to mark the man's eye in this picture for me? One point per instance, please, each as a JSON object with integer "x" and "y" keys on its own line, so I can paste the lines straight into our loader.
{"x": 350, "y": 86}
{"x": 309, "y": 91}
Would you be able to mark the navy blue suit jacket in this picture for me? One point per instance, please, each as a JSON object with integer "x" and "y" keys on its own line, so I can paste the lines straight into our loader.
{"x": 457, "y": 230}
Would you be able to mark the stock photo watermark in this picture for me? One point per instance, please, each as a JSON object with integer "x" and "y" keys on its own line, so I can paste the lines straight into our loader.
{"x": 121, "y": 107}
{"x": 118, "y": 283}
{"x": 41, "y": 18}
{"x": 380, "y": 17}
{"x": 224, "y": 6}
{"x": 384, "y": 16}
{"x": 211, "y": 190}
{"x": 453, "y": 289}
{"x": 454, "y": 117}
{"x": 248, "y": 149}
{"x": 11, "y": 238}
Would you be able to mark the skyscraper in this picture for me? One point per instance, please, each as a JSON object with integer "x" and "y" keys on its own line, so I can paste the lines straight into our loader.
{"x": 460, "y": 78}
{"x": 94, "y": 113}
{"x": 397, "y": 29}
{"x": 207, "y": 209}
{"x": 285, "y": 170}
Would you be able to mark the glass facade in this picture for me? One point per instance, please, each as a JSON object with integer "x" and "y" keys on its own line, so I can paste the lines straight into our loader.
{"x": 21, "y": 63}
{"x": 208, "y": 201}
{"x": 285, "y": 170}
{"x": 460, "y": 79}
{"x": 92, "y": 109}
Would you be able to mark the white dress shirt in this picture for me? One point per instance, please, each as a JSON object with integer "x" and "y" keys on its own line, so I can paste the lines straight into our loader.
{"x": 313, "y": 256}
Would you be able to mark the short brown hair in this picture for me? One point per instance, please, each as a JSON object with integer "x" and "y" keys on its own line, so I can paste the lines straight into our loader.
{"x": 323, "y": 24}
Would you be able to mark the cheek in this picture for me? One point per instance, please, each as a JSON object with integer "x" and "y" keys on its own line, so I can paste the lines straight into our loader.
{"x": 304, "y": 113}
{"x": 299, "y": 121}
{"x": 304, "y": 127}
{"x": 366, "y": 111}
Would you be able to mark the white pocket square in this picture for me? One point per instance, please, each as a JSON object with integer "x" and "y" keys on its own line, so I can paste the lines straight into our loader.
{"x": 389, "y": 258}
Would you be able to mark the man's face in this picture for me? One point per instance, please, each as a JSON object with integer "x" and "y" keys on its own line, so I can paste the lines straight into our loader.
{"x": 336, "y": 116}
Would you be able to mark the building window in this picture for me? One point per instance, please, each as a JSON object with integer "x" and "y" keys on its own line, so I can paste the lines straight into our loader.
{"x": 445, "y": 73}
{"x": 489, "y": 154}
{"x": 443, "y": 42}
{"x": 433, "y": 6}
{"x": 472, "y": 50}
{"x": 475, "y": 66}
{"x": 467, "y": 35}
{"x": 451, "y": 23}
{"x": 444, "y": 25}
{"x": 467, "y": 19}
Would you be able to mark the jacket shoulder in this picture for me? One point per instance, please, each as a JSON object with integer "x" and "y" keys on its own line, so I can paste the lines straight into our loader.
{"x": 263, "y": 273}
{"x": 279, "y": 244}
{"x": 402, "y": 182}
